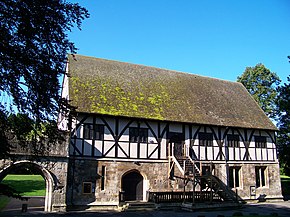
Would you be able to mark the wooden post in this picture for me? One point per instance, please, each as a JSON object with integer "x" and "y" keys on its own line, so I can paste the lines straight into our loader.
{"x": 211, "y": 194}
{"x": 193, "y": 184}
{"x": 184, "y": 188}
{"x": 200, "y": 168}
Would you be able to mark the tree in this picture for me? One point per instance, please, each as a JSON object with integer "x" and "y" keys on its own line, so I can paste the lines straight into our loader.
{"x": 33, "y": 52}
{"x": 262, "y": 85}
{"x": 33, "y": 49}
{"x": 283, "y": 139}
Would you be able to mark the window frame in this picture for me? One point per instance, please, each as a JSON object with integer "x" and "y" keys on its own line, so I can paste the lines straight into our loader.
{"x": 205, "y": 139}
{"x": 235, "y": 179}
{"x": 261, "y": 176}
{"x": 260, "y": 141}
{"x": 138, "y": 135}
{"x": 233, "y": 140}
{"x": 93, "y": 131}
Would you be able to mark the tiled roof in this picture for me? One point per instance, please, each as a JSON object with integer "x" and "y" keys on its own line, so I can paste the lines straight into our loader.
{"x": 123, "y": 89}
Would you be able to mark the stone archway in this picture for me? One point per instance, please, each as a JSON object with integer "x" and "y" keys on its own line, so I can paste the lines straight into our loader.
{"x": 133, "y": 185}
{"x": 46, "y": 174}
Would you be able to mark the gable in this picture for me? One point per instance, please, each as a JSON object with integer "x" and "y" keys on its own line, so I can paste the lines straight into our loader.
{"x": 122, "y": 89}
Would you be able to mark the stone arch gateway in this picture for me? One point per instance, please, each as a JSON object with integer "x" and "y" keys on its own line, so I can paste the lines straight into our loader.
{"x": 49, "y": 182}
{"x": 54, "y": 172}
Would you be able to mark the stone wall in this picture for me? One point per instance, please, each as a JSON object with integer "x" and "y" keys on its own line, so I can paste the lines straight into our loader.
{"x": 272, "y": 189}
{"x": 155, "y": 175}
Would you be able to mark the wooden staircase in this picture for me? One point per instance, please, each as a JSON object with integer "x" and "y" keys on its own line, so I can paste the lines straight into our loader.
{"x": 192, "y": 171}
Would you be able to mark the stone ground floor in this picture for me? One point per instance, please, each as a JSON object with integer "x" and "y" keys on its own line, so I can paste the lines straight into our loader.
{"x": 265, "y": 208}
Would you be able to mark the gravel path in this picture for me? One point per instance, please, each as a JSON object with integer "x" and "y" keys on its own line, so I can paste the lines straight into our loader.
{"x": 35, "y": 208}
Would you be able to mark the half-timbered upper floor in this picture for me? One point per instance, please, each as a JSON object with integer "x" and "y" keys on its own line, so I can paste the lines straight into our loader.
{"x": 102, "y": 136}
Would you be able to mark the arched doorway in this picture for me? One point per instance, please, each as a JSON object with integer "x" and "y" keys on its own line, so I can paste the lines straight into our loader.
{"x": 41, "y": 170}
{"x": 132, "y": 185}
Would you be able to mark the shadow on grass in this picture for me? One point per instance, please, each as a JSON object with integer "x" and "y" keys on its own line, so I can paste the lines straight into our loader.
{"x": 27, "y": 187}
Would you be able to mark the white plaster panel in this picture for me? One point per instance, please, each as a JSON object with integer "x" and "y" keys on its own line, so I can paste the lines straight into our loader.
{"x": 202, "y": 153}
{"x": 252, "y": 153}
{"x": 163, "y": 149}
{"x": 125, "y": 147}
{"x": 133, "y": 150}
{"x": 264, "y": 153}
{"x": 107, "y": 146}
{"x": 107, "y": 134}
{"x": 269, "y": 145}
{"x": 98, "y": 148}
{"x": 210, "y": 153}
{"x": 143, "y": 150}
{"x": 151, "y": 149}
{"x": 216, "y": 152}
{"x": 259, "y": 155}
{"x": 237, "y": 153}
{"x": 243, "y": 152}
{"x": 252, "y": 144}
{"x": 231, "y": 153}
{"x": 124, "y": 137}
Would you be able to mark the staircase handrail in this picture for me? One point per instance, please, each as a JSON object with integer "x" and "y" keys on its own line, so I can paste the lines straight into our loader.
{"x": 178, "y": 165}
{"x": 194, "y": 163}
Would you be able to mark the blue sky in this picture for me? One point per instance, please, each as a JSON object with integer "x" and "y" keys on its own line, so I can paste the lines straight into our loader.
{"x": 210, "y": 37}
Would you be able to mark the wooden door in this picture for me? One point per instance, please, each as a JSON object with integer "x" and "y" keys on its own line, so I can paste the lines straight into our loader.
{"x": 132, "y": 185}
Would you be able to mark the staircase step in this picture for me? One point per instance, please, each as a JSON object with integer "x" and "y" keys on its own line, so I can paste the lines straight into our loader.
{"x": 139, "y": 206}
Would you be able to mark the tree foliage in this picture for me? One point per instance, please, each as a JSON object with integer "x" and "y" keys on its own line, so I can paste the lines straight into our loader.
{"x": 262, "y": 85}
{"x": 33, "y": 50}
{"x": 283, "y": 139}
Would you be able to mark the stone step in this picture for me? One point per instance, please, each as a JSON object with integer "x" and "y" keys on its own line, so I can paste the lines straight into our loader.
{"x": 139, "y": 206}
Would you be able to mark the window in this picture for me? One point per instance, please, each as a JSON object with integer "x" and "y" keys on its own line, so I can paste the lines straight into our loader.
{"x": 138, "y": 134}
{"x": 205, "y": 139}
{"x": 93, "y": 131}
{"x": 260, "y": 176}
{"x": 260, "y": 141}
{"x": 87, "y": 187}
{"x": 103, "y": 178}
{"x": 233, "y": 140}
{"x": 234, "y": 177}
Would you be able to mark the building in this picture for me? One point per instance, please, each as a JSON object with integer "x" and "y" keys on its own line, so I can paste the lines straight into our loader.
{"x": 140, "y": 132}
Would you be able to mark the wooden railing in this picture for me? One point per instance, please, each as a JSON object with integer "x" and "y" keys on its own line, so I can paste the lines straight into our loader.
{"x": 179, "y": 197}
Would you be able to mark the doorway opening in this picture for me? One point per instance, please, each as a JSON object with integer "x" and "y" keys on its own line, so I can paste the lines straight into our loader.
{"x": 132, "y": 186}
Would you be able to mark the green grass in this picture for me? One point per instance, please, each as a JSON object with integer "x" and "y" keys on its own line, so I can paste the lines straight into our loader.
{"x": 27, "y": 185}
{"x": 285, "y": 183}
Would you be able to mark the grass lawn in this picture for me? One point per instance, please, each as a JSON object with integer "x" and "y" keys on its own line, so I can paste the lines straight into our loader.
{"x": 285, "y": 183}
{"x": 27, "y": 185}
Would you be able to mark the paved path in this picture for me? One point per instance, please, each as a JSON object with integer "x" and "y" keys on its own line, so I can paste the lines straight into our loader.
{"x": 34, "y": 204}
{"x": 280, "y": 208}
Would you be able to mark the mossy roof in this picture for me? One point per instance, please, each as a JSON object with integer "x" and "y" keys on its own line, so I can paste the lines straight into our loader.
{"x": 122, "y": 89}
